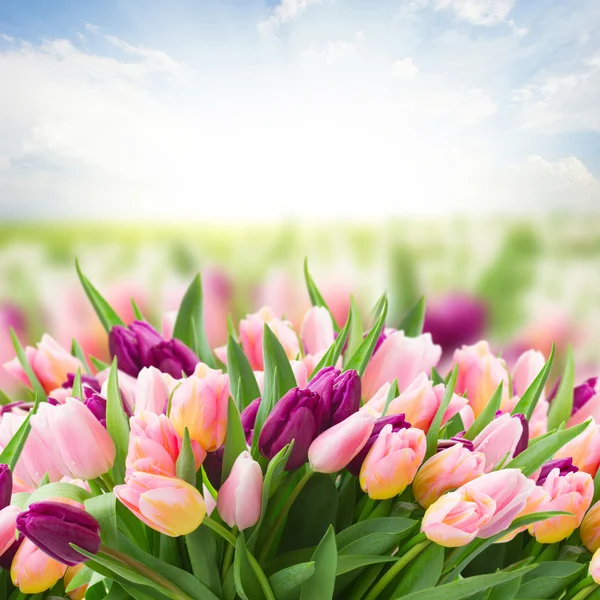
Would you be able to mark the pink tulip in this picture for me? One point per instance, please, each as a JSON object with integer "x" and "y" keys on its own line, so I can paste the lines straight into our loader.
{"x": 151, "y": 392}
{"x": 8, "y": 527}
{"x": 479, "y": 374}
{"x": 154, "y": 446}
{"x": 400, "y": 357}
{"x": 336, "y": 447}
{"x": 33, "y": 571}
{"x": 526, "y": 369}
{"x": 127, "y": 387}
{"x": 201, "y": 406}
{"x": 79, "y": 445}
{"x": 595, "y": 567}
{"x": 316, "y": 331}
{"x": 456, "y": 518}
{"x": 571, "y": 493}
{"x": 239, "y": 501}
{"x": 166, "y": 504}
{"x": 392, "y": 462}
{"x": 498, "y": 440}
{"x": 445, "y": 471}
{"x": 538, "y": 425}
{"x": 584, "y": 449}
{"x": 50, "y": 362}
{"x": 535, "y": 503}
{"x": 168, "y": 324}
{"x": 590, "y": 528}
{"x": 509, "y": 489}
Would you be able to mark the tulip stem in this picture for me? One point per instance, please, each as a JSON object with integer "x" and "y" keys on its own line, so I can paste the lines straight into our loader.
{"x": 218, "y": 528}
{"x": 282, "y": 515}
{"x": 108, "y": 481}
{"x": 228, "y": 558}
{"x": 585, "y": 592}
{"x": 585, "y": 585}
{"x": 367, "y": 509}
{"x": 395, "y": 569}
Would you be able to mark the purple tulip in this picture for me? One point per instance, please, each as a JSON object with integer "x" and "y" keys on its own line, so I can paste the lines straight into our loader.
{"x": 7, "y": 558}
{"x": 524, "y": 439}
{"x": 86, "y": 380}
{"x": 458, "y": 439}
{"x": 396, "y": 421}
{"x": 564, "y": 464}
{"x": 173, "y": 357}
{"x": 53, "y": 526}
{"x": 6, "y": 486}
{"x": 346, "y": 396}
{"x": 213, "y": 466}
{"x": 322, "y": 384}
{"x": 248, "y": 418}
{"x": 97, "y": 406}
{"x": 297, "y": 416}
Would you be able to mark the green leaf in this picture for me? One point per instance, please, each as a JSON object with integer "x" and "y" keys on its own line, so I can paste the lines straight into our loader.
{"x": 465, "y": 588}
{"x": 350, "y": 562}
{"x": 244, "y": 387}
{"x": 321, "y": 585}
{"x": 117, "y": 424}
{"x": 288, "y": 580}
{"x": 202, "y": 550}
{"x": 186, "y": 461}
{"x": 136, "y": 311}
{"x": 12, "y": 451}
{"x": 231, "y": 332}
{"x": 315, "y": 296}
{"x": 562, "y": 405}
{"x": 108, "y": 317}
{"x": 104, "y": 509}
{"x": 264, "y": 408}
{"x": 247, "y": 583}
{"x": 530, "y": 460}
{"x": 189, "y": 325}
{"x": 422, "y": 573}
{"x": 235, "y": 439}
{"x": 77, "y": 352}
{"x": 393, "y": 392}
{"x": 549, "y": 579}
{"x": 347, "y": 502}
{"x": 59, "y": 490}
{"x": 434, "y": 429}
{"x": 526, "y": 405}
{"x": 436, "y": 378}
{"x": 275, "y": 358}
{"x": 374, "y": 536}
{"x": 412, "y": 323}
{"x": 355, "y": 335}
{"x": 77, "y": 390}
{"x": 487, "y": 414}
{"x": 36, "y": 386}
{"x": 98, "y": 364}
{"x": 363, "y": 353}
{"x": 82, "y": 577}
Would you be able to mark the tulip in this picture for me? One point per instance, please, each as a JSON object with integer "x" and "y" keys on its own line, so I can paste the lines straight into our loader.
{"x": 526, "y": 369}
{"x": 54, "y": 526}
{"x": 584, "y": 449}
{"x": 251, "y": 336}
{"x": 6, "y": 485}
{"x": 538, "y": 425}
{"x": 564, "y": 465}
{"x": 346, "y": 396}
{"x": 33, "y": 571}
{"x": 479, "y": 374}
{"x": 392, "y": 462}
{"x": 500, "y": 440}
{"x": 317, "y": 332}
{"x": 96, "y": 404}
{"x": 213, "y": 467}
{"x": 79, "y": 592}
{"x": 595, "y": 567}
{"x": 127, "y": 386}
{"x": 400, "y": 357}
{"x": 447, "y": 470}
{"x": 8, "y": 528}
{"x": 151, "y": 392}
{"x": 248, "y": 418}
{"x": 590, "y": 528}
{"x": 166, "y": 504}
{"x": 201, "y": 406}
{"x": 571, "y": 493}
{"x": 49, "y": 361}
{"x": 337, "y": 446}
{"x": 456, "y": 518}
{"x": 239, "y": 501}
{"x": 535, "y": 503}
{"x": 586, "y": 402}
{"x": 86, "y": 380}
{"x": 168, "y": 324}
{"x": 322, "y": 384}
{"x": 297, "y": 416}
{"x": 457, "y": 440}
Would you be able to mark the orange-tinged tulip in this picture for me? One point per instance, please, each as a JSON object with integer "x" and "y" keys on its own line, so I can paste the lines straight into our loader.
{"x": 79, "y": 592}
{"x": 590, "y": 528}
{"x": 33, "y": 571}
{"x": 595, "y": 567}
{"x": 584, "y": 449}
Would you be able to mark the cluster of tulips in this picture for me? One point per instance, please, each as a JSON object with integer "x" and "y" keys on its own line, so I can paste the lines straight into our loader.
{"x": 314, "y": 464}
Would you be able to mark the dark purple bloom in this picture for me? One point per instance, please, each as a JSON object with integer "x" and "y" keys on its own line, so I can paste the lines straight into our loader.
{"x": 6, "y": 486}
{"x": 445, "y": 444}
{"x": 524, "y": 439}
{"x": 297, "y": 416}
{"x": 583, "y": 393}
{"x": 7, "y": 558}
{"x": 86, "y": 380}
{"x": 346, "y": 396}
{"x": 456, "y": 320}
{"x": 140, "y": 345}
{"x": 322, "y": 384}
{"x": 213, "y": 466}
{"x": 564, "y": 464}
{"x": 396, "y": 421}
{"x": 97, "y": 406}
{"x": 248, "y": 418}
{"x": 53, "y": 526}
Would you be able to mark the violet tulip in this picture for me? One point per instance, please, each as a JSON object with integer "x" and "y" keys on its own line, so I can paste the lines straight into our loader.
{"x": 564, "y": 466}
{"x": 8, "y": 540}
{"x": 248, "y": 418}
{"x": 6, "y": 485}
{"x": 54, "y": 526}
{"x": 346, "y": 396}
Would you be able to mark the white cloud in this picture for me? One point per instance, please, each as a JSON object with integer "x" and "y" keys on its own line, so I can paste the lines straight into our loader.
{"x": 285, "y": 11}
{"x": 404, "y": 68}
{"x": 331, "y": 53}
{"x": 478, "y": 12}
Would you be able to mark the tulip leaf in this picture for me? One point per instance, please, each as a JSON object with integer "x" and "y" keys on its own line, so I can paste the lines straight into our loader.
{"x": 82, "y": 577}
{"x": 422, "y": 573}
{"x": 107, "y": 315}
{"x": 189, "y": 324}
{"x": 104, "y": 509}
{"x": 331, "y": 357}
{"x": 117, "y": 424}
{"x": 244, "y": 387}
{"x": 531, "y": 459}
{"x": 562, "y": 405}
{"x": 393, "y": 393}
{"x": 275, "y": 357}
{"x": 77, "y": 352}
{"x": 37, "y": 387}
{"x": 363, "y": 353}
{"x": 355, "y": 336}
{"x": 264, "y": 408}
{"x": 374, "y": 536}
{"x": 12, "y": 451}
{"x": 247, "y": 576}
{"x": 346, "y": 503}
{"x": 59, "y": 490}
{"x": 436, "y": 424}
{"x": 412, "y": 323}
{"x": 321, "y": 585}
{"x": 314, "y": 294}
{"x": 549, "y": 579}
{"x": 285, "y": 582}
{"x": 436, "y": 378}
{"x": 77, "y": 390}
{"x": 487, "y": 415}
{"x": 235, "y": 439}
{"x": 186, "y": 461}
{"x": 203, "y": 552}
{"x": 526, "y": 405}
{"x": 99, "y": 365}
{"x": 137, "y": 313}
{"x": 350, "y": 562}
{"x": 465, "y": 588}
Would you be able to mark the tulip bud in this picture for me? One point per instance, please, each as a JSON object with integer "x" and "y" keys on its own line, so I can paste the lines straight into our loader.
{"x": 564, "y": 465}
{"x": 213, "y": 467}
{"x": 248, "y": 418}
{"x": 54, "y": 526}
{"x": 392, "y": 462}
{"x": 6, "y": 485}
{"x": 584, "y": 450}
{"x": 316, "y": 331}
{"x": 151, "y": 392}
{"x": 337, "y": 446}
{"x": 447, "y": 470}
{"x": 346, "y": 396}
{"x": 239, "y": 501}
{"x": 8, "y": 540}
{"x": 322, "y": 384}
{"x": 174, "y": 358}
{"x": 499, "y": 440}
{"x": 297, "y": 416}
{"x": 595, "y": 567}
{"x": 96, "y": 404}
{"x": 33, "y": 571}
{"x": 590, "y": 528}
{"x": 526, "y": 369}
{"x": 166, "y": 504}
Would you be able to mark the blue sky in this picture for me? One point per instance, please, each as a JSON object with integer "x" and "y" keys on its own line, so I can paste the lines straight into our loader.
{"x": 294, "y": 108}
